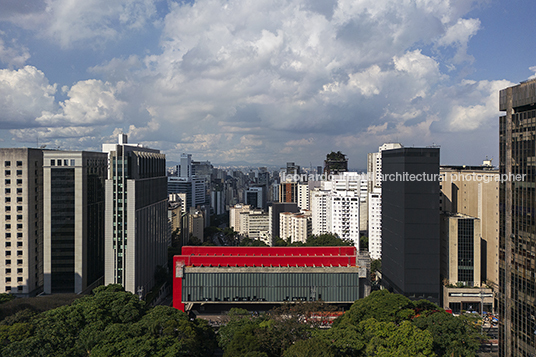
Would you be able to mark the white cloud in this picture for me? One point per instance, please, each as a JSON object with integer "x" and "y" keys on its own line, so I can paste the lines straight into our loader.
{"x": 458, "y": 35}
{"x": 13, "y": 55}
{"x": 90, "y": 102}
{"x": 24, "y": 95}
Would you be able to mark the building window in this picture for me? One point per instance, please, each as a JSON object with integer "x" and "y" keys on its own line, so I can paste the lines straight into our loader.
{"x": 65, "y": 162}
{"x": 52, "y": 162}
{"x": 19, "y": 253}
{"x": 19, "y": 199}
{"x": 19, "y": 163}
{"x": 19, "y": 261}
{"x": 59, "y": 162}
{"x": 19, "y": 270}
{"x": 8, "y": 271}
{"x": 19, "y": 191}
{"x": 8, "y": 288}
{"x": 19, "y": 181}
{"x": 19, "y": 244}
{"x": 8, "y": 235}
{"x": 8, "y": 217}
{"x": 19, "y": 225}
{"x": 8, "y": 253}
{"x": 8, "y": 182}
{"x": 19, "y": 279}
{"x": 19, "y": 235}
{"x": 19, "y": 208}
{"x": 8, "y": 208}
{"x": 72, "y": 162}
{"x": 7, "y": 163}
{"x": 8, "y": 191}
{"x": 19, "y": 172}
{"x": 19, "y": 217}
{"x": 8, "y": 261}
{"x": 8, "y": 279}
{"x": 8, "y": 226}
{"x": 8, "y": 244}
{"x": 7, "y": 172}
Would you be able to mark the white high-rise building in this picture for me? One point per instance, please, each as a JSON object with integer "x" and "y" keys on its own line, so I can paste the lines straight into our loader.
{"x": 336, "y": 212}
{"x": 296, "y": 226}
{"x": 375, "y": 225}
{"x": 319, "y": 211}
{"x": 21, "y": 225}
{"x": 343, "y": 216}
{"x": 375, "y": 199}
{"x": 303, "y": 195}
{"x": 234, "y": 215}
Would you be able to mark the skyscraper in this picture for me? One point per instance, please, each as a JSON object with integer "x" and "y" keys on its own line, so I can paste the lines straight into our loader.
{"x": 517, "y": 232}
{"x": 137, "y": 231}
{"x": 410, "y": 222}
{"x": 73, "y": 202}
{"x": 21, "y": 225}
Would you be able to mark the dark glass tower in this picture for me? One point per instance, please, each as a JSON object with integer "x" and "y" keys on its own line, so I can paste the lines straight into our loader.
{"x": 517, "y": 239}
{"x": 410, "y": 222}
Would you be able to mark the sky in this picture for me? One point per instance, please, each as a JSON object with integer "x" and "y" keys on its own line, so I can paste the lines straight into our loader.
{"x": 262, "y": 81}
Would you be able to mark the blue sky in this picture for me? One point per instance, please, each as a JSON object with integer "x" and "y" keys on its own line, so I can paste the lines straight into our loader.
{"x": 265, "y": 81}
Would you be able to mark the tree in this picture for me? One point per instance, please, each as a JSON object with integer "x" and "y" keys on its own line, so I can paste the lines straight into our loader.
{"x": 248, "y": 242}
{"x": 327, "y": 240}
{"x": 452, "y": 336}
{"x": 380, "y": 305}
{"x": 375, "y": 265}
{"x": 313, "y": 347}
{"x": 363, "y": 242}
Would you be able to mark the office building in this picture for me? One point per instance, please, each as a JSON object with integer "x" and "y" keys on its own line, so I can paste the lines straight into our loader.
{"x": 74, "y": 207}
{"x": 288, "y": 192}
{"x": 194, "y": 188}
{"x": 461, "y": 265}
{"x": 255, "y": 197}
{"x": 410, "y": 222}
{"x": 21, "y": 225}
{"x": 517, "y": 233}
{"x": 137, "y": 231}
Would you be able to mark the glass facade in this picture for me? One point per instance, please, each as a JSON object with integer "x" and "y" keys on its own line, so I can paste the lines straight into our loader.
{"x": 62, "y": 229}
{"x": 517, "y": 239}
{"x": 466, "y": 251}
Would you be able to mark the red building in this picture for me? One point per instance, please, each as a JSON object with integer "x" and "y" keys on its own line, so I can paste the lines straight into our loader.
{"x": 270, "y": 275}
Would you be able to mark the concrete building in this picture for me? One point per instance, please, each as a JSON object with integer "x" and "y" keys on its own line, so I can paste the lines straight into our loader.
{"x": 461, "y": 265}
{"x": 255, "y": 197}
{"x": 517, "y": 233}
{"x": 375, "y": 225}
{"x": 410, "y": 222}
{"x": 137, "y": 231}
{"x": 193, "y": 225}
{"x": 288, "y": 192}
{"x": 374, "y": 165}
{"x": 194, "y": 188}
{"x": 343, "y": 215}
{"x": 295, "y": 226}
{"x": 319, "y": 211}
{"x": 74, "y": 211}
{"x": 263, "y": 277}
{"x": 234, "y": 215}
{"x": 21, "y": 225}
{"x": 474, "y": 191}
{"x": 274, "y": 209}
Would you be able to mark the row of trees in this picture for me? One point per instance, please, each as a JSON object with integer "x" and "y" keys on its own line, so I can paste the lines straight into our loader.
{"x": 111, "y": 322}
{"x": 382, "y": 324}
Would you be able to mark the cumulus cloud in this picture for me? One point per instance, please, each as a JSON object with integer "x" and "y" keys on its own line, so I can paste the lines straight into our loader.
{"x": 90, "y": 102}
{"x": 263, "y": 79}
{"x": 24, "y": 95}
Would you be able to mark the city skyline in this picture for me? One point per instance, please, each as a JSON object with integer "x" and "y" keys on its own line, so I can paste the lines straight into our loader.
{"x": 262, "y": 82}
